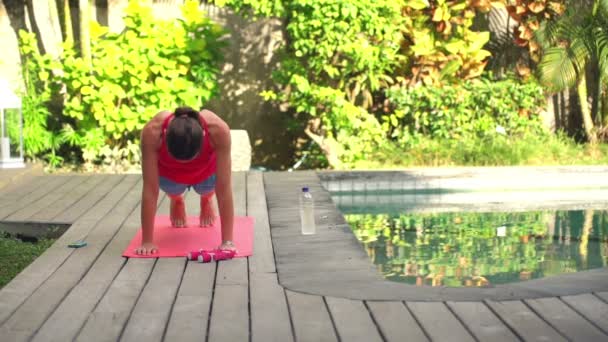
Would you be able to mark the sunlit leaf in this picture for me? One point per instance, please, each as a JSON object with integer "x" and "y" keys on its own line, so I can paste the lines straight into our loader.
{"x": 417, "y": 4}
{"x": 557, "y": 69}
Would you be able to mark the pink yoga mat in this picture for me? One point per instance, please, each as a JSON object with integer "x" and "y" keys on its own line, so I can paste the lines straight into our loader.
{"x": 177, "y": 242}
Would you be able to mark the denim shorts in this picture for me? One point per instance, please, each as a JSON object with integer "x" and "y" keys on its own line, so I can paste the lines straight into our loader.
{"x": 173, "y": 188}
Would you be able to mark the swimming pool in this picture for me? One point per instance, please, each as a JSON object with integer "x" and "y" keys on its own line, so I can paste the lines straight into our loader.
{"x": 477, "y": 249}
{"x": 334, "y": 262}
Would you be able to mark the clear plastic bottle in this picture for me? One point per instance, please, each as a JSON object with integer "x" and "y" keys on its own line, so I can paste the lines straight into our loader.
{"x": 307, "y": 212}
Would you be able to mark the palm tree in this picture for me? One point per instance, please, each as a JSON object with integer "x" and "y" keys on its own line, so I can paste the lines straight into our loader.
{"x": 572, "y": 44}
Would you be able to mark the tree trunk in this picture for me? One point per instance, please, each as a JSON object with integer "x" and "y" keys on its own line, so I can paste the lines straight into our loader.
{"x": 16, "y": 14}
{"x": 31, "y": 15}
{"x": 101, "y": 12}
{"x": 604, "y": 106}
{"x": 65, "y": 15}
{"x": 85, "y": 34}
{"x": 328, "y": 146}
{"x": 595, "y": 86}
{"x": 581, "y": 89}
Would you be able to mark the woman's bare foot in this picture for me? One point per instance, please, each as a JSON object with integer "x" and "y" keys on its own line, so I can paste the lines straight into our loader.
{"x": 207, "y": 216}
{"x": 178, "y": 212}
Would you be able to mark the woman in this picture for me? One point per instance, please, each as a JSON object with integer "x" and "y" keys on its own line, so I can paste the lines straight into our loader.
{"x": 180, "y": 150}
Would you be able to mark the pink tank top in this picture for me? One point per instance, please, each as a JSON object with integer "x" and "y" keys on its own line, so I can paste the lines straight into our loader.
{"x": 193, "y": 171}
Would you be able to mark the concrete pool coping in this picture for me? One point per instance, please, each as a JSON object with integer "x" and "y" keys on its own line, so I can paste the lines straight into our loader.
{"x": 333, "y": 262}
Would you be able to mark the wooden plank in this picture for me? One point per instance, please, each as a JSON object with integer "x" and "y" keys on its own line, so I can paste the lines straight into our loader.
{"x": 438, "y": 322}
{"x": 111, "y": 314}
{"x": 352, "y": 319}
{"x": 19, "y": 190}
{"x": 269, "y": 312}
{"x": 108, "y": 183}
{"x": 264, "y": 288}
{"x": 47, "y": 200}
{"x": 25, "y": 283}
{"x": 524, "y": 322}
{"x": 83, "y": 298}
{"x": 482, "y": 322}
{"x": 151, "y": 313}
{"x": 311, "y": 320}
{"x": 190, "y": 313}
{"x": 68, "y": 199}
{"x": 567, "y": 321}
{"x": 395, "y": 322}
{"x": 594, "y": 309}
{"x": 230, "y": 312}
{"x": 37, "y": 308}
{"x": 46, "y": 187}
{"x": 263, "y": 258}
{"x": 230, "y": 306}
{"x": 603, "y": 296}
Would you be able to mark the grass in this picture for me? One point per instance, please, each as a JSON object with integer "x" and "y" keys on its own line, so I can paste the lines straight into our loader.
{"x": 15, "y": 255}
{"x": 489, "y": 151}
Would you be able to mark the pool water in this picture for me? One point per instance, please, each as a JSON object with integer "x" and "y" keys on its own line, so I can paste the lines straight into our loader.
{"x": 470, "y": 249}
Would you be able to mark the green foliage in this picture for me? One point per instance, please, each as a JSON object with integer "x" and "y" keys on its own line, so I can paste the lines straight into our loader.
{"x": 574, "y": 44}
{"x": 150, "y": 66}
{"x": 267, "y": 8}
{"x": 342, "y": 56}
{"x": 439, "y": 43}
{"x": 36, "y": 70}
{"x": 490, "y": 150}
{"x": 473, "y": 109}
{"x": 354, "y": 131}
{"x": 349, "y": 45}
{"x": 341, "y": 53}
{"x": 571, "y": 42}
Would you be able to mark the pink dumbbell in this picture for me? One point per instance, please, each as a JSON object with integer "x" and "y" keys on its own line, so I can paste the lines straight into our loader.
{"x": 215, "y": 255}
{"x": 194, "y": 254}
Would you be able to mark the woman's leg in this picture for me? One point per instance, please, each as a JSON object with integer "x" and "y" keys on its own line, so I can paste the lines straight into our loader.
{"x": 206, "y": 189}
{"x": 175, "y": 191}
{"x": 178, "y": 211}
{"x": 207, "y": 216}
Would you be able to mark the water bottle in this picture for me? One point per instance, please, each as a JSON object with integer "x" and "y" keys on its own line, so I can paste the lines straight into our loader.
{"x": 307, "y": 212}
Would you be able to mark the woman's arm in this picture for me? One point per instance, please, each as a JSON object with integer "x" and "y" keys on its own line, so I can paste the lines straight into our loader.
{"x": 220, "y": 136}
{"x": 150, "y": 138}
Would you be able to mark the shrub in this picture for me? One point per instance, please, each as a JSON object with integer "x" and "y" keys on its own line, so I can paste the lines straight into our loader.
{"x": 471, "y": 109}
{"x": 150, "y": 66}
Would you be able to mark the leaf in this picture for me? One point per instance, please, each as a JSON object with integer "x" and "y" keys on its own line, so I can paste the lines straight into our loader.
{"x": 537, "y": 6}
{"x": 603, "y": 6}
{"x": 86, "y": 90}
{"x": 417, "y": 4}
{"x": 450, "y": 68}
{"x": 557, "y": 69}
{"x": 602, "y": 42}
{"x": 438, "y": 14}
{"x": 482, "y": 5}
{"x": 455, "y": 46}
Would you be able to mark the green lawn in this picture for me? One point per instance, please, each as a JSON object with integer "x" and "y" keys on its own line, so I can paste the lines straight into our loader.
{"x": 15, "y": 255}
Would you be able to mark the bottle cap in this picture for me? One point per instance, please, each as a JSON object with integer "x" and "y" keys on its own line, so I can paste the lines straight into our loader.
{"x": 305, "y": 189}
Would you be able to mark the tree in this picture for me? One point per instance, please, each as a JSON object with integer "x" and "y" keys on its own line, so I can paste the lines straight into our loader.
{"x": 66, "y": 21}
{"x": 85, "y": 32}
{"x": 573, "y": 44}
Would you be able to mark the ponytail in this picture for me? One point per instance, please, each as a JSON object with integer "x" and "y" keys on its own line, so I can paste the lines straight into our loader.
{"x": 184, "y": 134}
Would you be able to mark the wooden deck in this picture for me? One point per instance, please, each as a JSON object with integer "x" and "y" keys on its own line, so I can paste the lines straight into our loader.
{"x": 94, "y": 294}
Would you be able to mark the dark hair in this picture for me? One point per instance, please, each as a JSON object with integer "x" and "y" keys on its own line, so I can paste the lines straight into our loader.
{"x": 184, "y": 134}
